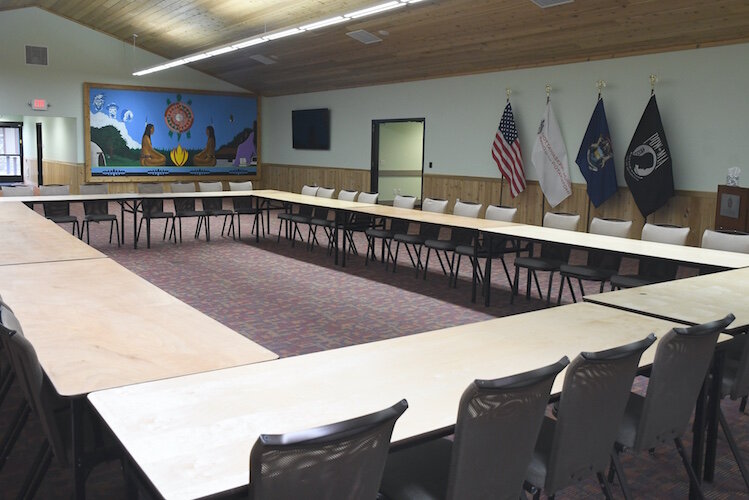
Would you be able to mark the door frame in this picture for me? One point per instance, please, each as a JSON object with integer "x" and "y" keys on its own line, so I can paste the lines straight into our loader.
{"x": 374, "y": 166}
{"x": 15, "y": 179}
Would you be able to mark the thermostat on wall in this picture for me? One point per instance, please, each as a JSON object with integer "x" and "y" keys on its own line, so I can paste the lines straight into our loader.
{"x": 39, "y": 104}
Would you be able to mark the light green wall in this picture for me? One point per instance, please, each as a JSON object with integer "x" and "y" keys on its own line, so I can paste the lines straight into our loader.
{"x": 701, "y": 95}
{"x": 76, "y": 55}
{"x": 401, "y": 146}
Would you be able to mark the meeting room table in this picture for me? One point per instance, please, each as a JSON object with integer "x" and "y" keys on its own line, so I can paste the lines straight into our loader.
{"x": 191, "y": 436}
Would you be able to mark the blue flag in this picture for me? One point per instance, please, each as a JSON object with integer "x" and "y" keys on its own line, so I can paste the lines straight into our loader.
{"x": 596, "y": 158}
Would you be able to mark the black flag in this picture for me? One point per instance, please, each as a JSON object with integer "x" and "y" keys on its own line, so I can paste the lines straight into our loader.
{"x": 647, "y": 162}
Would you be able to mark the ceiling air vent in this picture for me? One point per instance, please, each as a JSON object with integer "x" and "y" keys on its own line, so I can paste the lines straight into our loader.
{"x": 263, "y": 59}
{"x": 364, "y": 36}
{"x": 36, "y": 55}
{"x": 545, "y": 4}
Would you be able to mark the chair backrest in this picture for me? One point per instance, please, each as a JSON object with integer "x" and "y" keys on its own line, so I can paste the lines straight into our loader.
{"x": 210, "y": 187}
{"x": 595, "y": 392}
{"x": 610, "y": 227}
{"x": 55, "y": 207}
{"x": 434, "y": 205}
{"x": 151, "y": 206}
{"x": 730, "y": 242}
{"x": 325, "y": 192}
{"x": 150, "y": 188}
{"x": 17, "y": 191}
{"x": 556, "y": 220}
{"x": 369, "y": 198}
{"x": 240, "y": 186}
{"x": 467, "y": 209}
{"x": 40, "y": 392}
{"x": 404, "y": 201}
{"x": 663, "y": 233}
{"x": 182, "y": 187}
{"x": 341, "y": 460}
{"x": 346, "y": 195}
{"x": 309, "y": 190}
{"x": 506, "y": 214}
{"x": 95, "y": 207}
{"x": 496, "y": 430}
{"x": 679, "y": 368}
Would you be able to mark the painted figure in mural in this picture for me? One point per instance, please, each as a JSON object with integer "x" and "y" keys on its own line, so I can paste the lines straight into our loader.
{"x": 149, "y": 157}
{"x": 247, "y": 150}
{"x": 207, "y": 157}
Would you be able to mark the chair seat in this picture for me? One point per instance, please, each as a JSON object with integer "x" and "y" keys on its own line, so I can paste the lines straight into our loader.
{"x": 412, "y": 239}
{"x": 468, "y": 250}
{"x": 219, "y": 212}
{"x": 158, "y": 215}
{"x": 322, "y": 222}
{"x": 62, "y": 219}
{"x": 286, "y": 216}
{"x": 419, "y": 472}
{"x": 191, "y": 213}
{"x": 632, "y": 281}
{"x": 538, "y": 467}
{"x": 247, "y": 211}
{"x": 99, "y": 217}
{"x": 446, "y": 245}
{"x": 630, "y": 421}
{"x": 538, "y": 264}
{"x": 379, "y": 233}
{"x": 300, "y": 219}
{"x": 586, "y": 272}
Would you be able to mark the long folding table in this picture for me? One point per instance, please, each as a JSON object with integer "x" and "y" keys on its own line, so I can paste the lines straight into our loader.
{"x": 96, "y": 325}
{"x": 191, "y": 436}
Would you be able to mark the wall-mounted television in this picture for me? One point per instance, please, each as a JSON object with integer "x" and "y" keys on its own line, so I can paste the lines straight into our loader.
{"x": 311, "y": 128}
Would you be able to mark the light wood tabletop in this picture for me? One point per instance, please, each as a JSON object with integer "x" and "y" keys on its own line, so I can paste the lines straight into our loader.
{"x": 629, "y": 247}
{"x": 192, "y": 436}
{"x": 28, "y": 237}
{"x": 303, "y": 199}
{"x": 414, "y": 215}
{"x": 693, "y": 300}
{"x": 97, "y": 325}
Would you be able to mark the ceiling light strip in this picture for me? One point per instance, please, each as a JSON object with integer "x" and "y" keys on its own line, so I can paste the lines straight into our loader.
{"x": 281, "y": 33}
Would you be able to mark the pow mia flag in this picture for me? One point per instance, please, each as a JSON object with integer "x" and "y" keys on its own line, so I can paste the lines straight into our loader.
{"x": 647, "y": 162}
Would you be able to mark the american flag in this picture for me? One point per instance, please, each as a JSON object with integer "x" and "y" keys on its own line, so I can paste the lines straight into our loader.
{"x": 506, "y": 152}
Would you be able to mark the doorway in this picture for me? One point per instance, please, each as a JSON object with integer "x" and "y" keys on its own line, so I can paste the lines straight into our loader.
{"x": 397, "y": 158}
{"x": 11, "y": 152}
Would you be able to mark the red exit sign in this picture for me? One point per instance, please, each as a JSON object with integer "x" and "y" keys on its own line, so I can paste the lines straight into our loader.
{"x": 39, "y": 104}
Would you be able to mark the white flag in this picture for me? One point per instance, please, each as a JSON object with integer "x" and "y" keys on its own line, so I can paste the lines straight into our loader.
{"x": 550, "y": 159}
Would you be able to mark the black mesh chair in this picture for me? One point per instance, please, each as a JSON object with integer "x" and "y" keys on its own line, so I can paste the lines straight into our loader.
{"x": 98, "y": 211}
{"x": 386, "y": 233}
{"x": 550, "y": 258}
{"x": 53, "y": 414}
{"x": 317, "y": 218}
{"x": 214, "y": 207}
{"x": 243, "y": 206}
{"x": 344, "y": 460}
{"x": 600, "y": 265}
{"x": 679, "y": 369}
{"x": 360, "y": 222}
{"x": 185, "y": 207}
{"x": 735, "y": 385}
{"x": 459, "y": 236}
{"x": 497, "y": 426}
{"x": 59, "y": 211}
{"x": 290, "y": 219}
{"x": 152, "y": 209}
{"x": 426, "y": 232}
{"x": 8, "y": 327}
{"x": 330, "y": 225}
{"x": 579, "y": 442}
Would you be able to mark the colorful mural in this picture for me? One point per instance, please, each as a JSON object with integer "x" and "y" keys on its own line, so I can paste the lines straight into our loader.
{"x": 155, "y": 132}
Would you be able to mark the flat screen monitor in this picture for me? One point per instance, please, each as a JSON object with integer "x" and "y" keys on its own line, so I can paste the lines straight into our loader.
{"x": 311, "y": 128}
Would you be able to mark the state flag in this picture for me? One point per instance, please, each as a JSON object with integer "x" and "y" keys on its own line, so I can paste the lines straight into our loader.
{"x": 550, "y": 159}
{"x": 596, "y": 158}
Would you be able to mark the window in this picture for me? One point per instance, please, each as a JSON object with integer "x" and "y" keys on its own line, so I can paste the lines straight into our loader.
{"x": 11, "y": 152}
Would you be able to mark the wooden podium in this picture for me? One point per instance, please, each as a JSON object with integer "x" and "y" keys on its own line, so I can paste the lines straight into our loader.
{"x": 732, "y": 208}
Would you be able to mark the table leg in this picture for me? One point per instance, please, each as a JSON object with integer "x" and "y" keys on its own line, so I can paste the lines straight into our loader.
{"x": 488, "y": 270}
{"x": 257, "y": 218}
{"x": 77, "y": 407}
{"x": 345, "y": 226}
{"x": 713, "y": 407}
{"x": 122, "y": 223}
{"x": 135, "y": 224}
{"x": 698, "y": 437}
{"x": 474, "y": 277}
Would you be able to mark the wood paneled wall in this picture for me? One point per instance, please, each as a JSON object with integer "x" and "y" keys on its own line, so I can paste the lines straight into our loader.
{"x": 57, "y": 172}
{"x": 293, "y": 177}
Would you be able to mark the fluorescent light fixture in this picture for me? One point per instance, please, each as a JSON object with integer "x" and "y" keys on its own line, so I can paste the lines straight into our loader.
{"x": 196, "y": 57}
{"x": 249, "y": 43}
{"x": 323, "y": 23}
{"x": 375, "y": 10}
{"x": 222, "y": 50}
{"x": 282, "y": 34}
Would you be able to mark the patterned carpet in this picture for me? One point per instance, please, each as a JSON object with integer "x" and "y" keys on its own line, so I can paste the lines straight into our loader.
{"x": 294, "y": 301}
